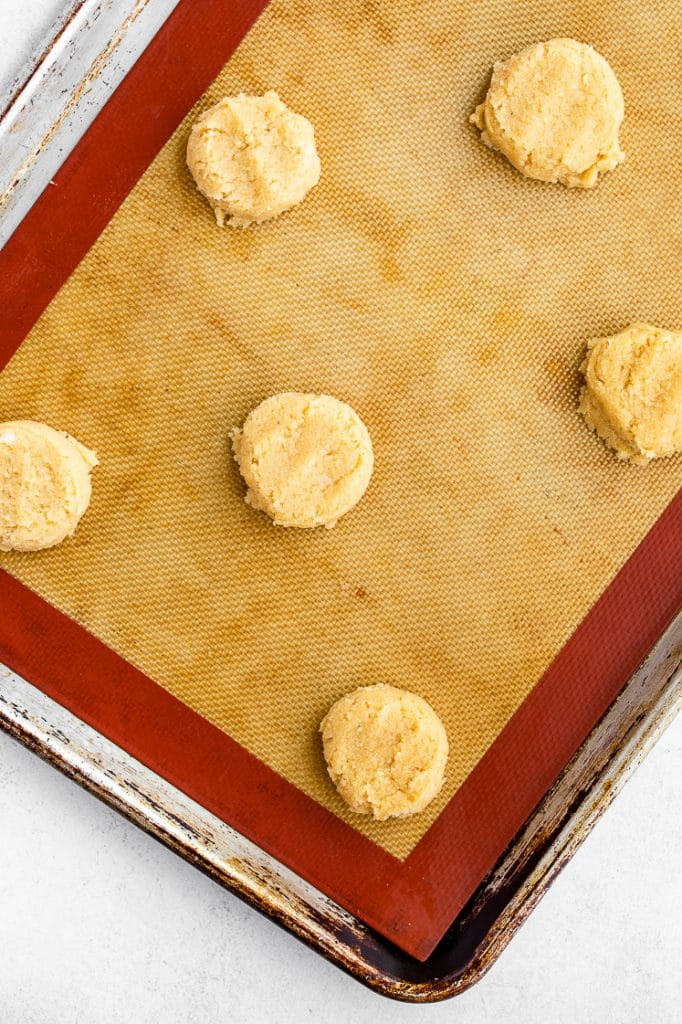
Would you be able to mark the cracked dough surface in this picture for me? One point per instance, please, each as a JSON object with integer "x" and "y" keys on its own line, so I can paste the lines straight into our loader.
{"x": 306, "y": 459}
{"x": 554, "y": 111}
{"x": 44, "y": 485}
{"x": 386, "y": 751}
{"x": 632, "y": 396}
{"x": 252, "y": 158}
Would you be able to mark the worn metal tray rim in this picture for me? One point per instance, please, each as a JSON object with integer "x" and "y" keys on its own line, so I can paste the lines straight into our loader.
{"x": 108, "y": 38}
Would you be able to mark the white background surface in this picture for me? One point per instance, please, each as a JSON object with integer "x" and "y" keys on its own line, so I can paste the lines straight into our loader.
{"x": 101, "y": 925}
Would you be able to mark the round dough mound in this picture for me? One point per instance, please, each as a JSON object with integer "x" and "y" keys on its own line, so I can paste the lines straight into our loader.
{"x": 252, "y": 158}
{"x": 554, "y": 111}
{"x": 633, "y": 392}
{"x": 385, "y": 750}
{"x": 44, "y": 485}
{"x": 306, "y": 459}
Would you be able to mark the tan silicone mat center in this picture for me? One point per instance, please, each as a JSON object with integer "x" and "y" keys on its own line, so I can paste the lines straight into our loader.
{"x": 449, "y": 301}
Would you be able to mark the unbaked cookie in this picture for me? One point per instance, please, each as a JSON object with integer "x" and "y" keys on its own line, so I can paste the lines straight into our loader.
{"x": 44, "y": 485}
{"x": 306, "y": 459}
{"x": 252, "y": 158}
{"x": 385, "y": 750}
{"x": 633, "y": 392}
{"x": 554, "y": 111}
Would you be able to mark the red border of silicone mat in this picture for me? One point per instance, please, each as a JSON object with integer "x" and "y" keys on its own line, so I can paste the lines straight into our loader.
{"x": 412, "y": 903}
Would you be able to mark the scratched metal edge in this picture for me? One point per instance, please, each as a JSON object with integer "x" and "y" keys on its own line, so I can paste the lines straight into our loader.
{"x": 93, "y": 46}
{"x": 39, "y": 54}
{"x": 561, "y": 822}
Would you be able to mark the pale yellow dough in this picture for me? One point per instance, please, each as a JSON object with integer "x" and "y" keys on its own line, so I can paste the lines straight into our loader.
{"x": 252, "y": 158}
{"x": 44, "y": 485}
{"x": 306, "y": 459}
{"x": 632, "y": 395}
{"x": 554, "y": 111}
{"x": 386, "y": 751}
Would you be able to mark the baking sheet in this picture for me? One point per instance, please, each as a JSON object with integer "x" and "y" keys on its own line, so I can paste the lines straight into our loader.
{"x": 448, "y": 300}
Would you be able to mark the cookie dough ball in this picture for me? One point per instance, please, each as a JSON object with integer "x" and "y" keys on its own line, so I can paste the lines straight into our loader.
{"x": 252, "y": 158}
{"x": 306, "y": 459}
{"x": 554, "y": 111}
{"x": 44, "y": 485}
{"x": 385, "y": 750}
{"x": 633, "y": 392}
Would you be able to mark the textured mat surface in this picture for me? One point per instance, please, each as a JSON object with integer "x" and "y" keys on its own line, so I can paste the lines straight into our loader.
{"x": 442, "y": 295}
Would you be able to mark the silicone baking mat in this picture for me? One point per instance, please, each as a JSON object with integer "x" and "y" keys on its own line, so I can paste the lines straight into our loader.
{"x": 449, "y": 301}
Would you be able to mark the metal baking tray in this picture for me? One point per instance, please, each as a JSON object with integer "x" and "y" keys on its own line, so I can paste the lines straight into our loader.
{"x": 96, "y": 43}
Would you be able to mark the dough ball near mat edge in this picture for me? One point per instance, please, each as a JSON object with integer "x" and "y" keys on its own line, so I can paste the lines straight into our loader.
{"x": 554, "y": 111}
{"x": 44, "y": 485}
{"x": 632, "y": 396}
{"x": 306, "y": 459}
{"x": 252, "y": 158}
{"x": 386, "y": 751}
